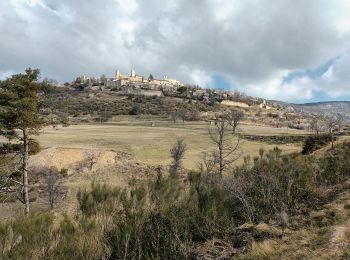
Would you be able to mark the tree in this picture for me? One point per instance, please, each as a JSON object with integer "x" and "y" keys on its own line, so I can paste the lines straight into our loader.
{"x": 135, "y": 110}
{"x": 226, "y": 147}
{"x": 182, "y": 113}
{"x": 150, "y": 78}
{"x": 182, "y": 89}
{"x": 177, "y": 153}
{"x": 334, "y": 123}
{"x": 316, "y": 124}
{"x": 208, "y": 162}
{"x": 54, "y": 186}
{"x": 103, "y": 78}
{"x": 234, "y": 117}
{"x": 174, "y": 115}
{"x": 19, "y": 118}
{"x": 193, "y": 115}
{"x": 105, "y": 116}
{"x": 92, "y": 157}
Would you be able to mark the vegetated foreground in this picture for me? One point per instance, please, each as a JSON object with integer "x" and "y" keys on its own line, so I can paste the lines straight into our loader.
{"x": 272, "y": 207}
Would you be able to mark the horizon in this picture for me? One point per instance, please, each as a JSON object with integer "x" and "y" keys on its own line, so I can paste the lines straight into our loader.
{"x": 292, "y": 52}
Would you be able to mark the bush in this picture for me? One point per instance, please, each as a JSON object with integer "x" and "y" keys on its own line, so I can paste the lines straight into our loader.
{"x": 182, "y": 89}
{"x": 63, "y": 172}
{"x": 334, "y": 167}
{"x": 136, "y": 110}
{"x": 89, "y": 201}
{"x": 36, "y": 237}
{"x": 315, "y": 142}
{"x": 34, "y": 147}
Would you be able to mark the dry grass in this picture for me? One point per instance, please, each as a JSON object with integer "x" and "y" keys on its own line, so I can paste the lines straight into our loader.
{"x": 262, "y": 250}
{"x": 152, "y": 144}
{"x": 136, "y": 137}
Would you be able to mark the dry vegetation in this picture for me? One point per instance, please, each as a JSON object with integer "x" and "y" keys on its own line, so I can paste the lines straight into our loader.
{"x": 119, "y": 200}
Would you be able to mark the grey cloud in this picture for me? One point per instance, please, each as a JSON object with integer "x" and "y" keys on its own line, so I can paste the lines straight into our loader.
{"x": 258, "y": 40}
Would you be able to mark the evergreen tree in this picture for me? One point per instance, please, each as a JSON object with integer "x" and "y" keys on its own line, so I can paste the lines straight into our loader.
{"x": 150, "y": 78}
{"x": 19, "y": 117}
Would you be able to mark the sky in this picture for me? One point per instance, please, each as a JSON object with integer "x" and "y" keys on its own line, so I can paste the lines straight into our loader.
{"x": 289, "y": 50}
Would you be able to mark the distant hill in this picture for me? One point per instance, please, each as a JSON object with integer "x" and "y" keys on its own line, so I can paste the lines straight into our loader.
{"x": 342, "y": 107}
{"x": 327, "y": 103}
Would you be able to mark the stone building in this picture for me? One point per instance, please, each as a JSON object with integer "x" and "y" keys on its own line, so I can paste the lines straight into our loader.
{"x": 133, "y": 81}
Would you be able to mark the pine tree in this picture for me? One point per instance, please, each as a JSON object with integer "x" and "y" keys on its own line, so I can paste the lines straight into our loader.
{"x": 19, "y": 117}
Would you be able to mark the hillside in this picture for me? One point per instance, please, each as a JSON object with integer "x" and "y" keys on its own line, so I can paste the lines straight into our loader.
{"x": 74, "y": 106}
{"x": 342, "y": 107}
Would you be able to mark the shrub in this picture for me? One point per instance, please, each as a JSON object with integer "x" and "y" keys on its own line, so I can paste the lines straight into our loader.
{"x": 136, "y": 110}
{"x": 99, "y": 194}
{"x": 36, "y": 237}
{"x": 26, "y": 237}
{"x": 167, "y": 218}
{"x": 273, "y": 184}
{"x": 34, "y": 147}
{"x": 64, "y": 172}
{"x": 315, "y": 142}
{"x": 182, "y": 89}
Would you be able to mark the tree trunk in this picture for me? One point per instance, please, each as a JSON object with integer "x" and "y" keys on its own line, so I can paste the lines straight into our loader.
{"x": 332, "y": 136}
{"x": 221, "y": 160}
{"x": 25, "y": 170}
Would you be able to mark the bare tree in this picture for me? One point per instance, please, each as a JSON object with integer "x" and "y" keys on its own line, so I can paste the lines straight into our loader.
{"x": 334, "y": 124}
{"x": 316, "y": 123}
{"x": 193, "y": 115}
{"x": 208, "y": 162}
{"x": 177, "y": 153}
{"x": 234, "y": 117}
{"x": 226, "y": 145}
{"x": 182, "y": 114}
{"x": 54, "y": 186}
{"x": 92, "y": 158}
{"x": 174, "y": 115}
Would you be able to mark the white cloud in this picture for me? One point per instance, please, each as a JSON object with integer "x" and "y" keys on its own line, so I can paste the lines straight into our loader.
{"x": 198, "y": 77}
{"x": 336, "y": 80}
{"x": 127, "y": 26}
{"x": 224, "y": 9}
{"x": 341, "y": 16}
{"x": 127, "y": 6}
{"x": 274, "y": 88}
{"x": 5, "y": 74}
{"x": 36, "y": 2}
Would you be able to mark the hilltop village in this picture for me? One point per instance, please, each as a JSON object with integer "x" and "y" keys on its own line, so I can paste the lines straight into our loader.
{"x": 134, "y": 84}
{"x": 129, "y": 83}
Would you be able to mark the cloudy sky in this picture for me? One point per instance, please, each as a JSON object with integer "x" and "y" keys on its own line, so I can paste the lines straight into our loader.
{"x": 291, "y": 50}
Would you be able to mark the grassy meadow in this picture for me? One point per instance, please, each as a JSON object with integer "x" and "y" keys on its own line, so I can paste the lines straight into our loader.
{"x": 151, "y": 144}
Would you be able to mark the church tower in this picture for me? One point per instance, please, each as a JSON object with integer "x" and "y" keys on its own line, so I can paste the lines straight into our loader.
{"x": 133, "y": 74}
{"x": 117, "y": 74}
